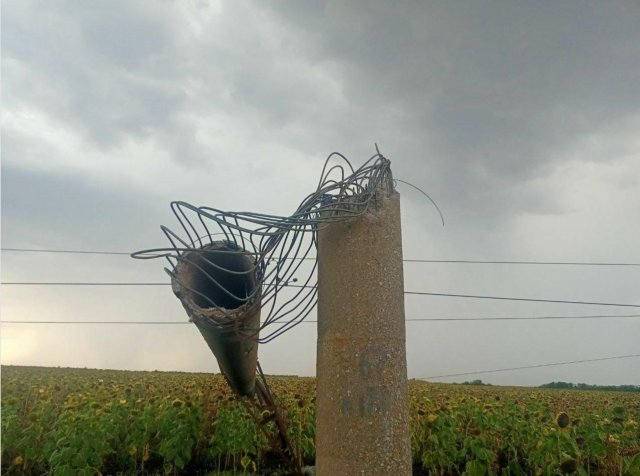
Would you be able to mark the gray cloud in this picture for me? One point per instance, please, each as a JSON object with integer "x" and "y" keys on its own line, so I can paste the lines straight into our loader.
{"x": 65, "y": 213}
{"x": 500, "y": 90}
{"x": 520, "y": 120}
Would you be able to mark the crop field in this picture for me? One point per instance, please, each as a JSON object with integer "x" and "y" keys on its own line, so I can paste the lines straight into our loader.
{"x": 87, "y": 422}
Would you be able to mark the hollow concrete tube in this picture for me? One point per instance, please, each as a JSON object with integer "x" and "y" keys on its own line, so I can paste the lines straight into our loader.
{"x": 362, "y": 400}
{"x": 230, "y": 328}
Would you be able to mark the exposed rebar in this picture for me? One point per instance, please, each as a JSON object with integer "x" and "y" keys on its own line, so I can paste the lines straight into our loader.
{"x": 205, "y": 263}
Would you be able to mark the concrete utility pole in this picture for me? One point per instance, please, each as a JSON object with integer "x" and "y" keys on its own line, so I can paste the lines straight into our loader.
{"x": 362, "y": 401}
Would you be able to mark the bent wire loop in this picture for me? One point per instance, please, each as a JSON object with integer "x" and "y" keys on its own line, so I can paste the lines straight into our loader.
{"x": 268, "y": 252}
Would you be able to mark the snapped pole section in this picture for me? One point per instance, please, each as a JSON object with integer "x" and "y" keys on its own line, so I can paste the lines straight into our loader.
{"x": 214, "y": 284}
{"x": 362, "y": 401}
{"x": 218, "y": 285}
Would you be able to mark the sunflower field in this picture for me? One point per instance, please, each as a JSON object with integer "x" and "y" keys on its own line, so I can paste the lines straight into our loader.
{"x": 87, "y": 422}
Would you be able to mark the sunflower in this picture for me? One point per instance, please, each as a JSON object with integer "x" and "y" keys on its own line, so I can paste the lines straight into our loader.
{"x": 562, "y": 420}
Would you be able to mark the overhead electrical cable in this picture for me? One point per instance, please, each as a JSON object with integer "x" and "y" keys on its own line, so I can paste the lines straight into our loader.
{"x": 461, "y": 374}
{"x": 407, "y": 260}
{"x": 415, "y": 319}
{"x": 504, "y": 298}
{"x": 82, "y": 252}
{"x": 554, "y": 263}
{"x": 419, "y": 293}
{"x": 97, "y": 322}
{"x": 78, "y": 283}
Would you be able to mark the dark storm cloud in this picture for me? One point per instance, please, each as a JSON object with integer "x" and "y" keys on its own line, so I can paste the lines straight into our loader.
{"x": 487, "y": 94}
{"x": 117, "y": 71}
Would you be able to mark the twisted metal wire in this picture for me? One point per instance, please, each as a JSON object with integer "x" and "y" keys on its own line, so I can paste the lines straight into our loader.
{"x": 276, "y": 245}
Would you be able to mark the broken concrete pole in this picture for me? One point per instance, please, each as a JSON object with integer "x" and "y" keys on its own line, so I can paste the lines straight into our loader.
{"x": 213, "y": 284}
{"x": 362, "y": 402}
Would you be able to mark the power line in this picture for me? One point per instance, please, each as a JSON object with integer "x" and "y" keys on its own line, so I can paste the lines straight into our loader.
{"x": 418, "y": 319}
{"x": 558, "y": 263}
{"x": 310, "y": 321}
{"x": 52, "y": 283}
{"x": 531, "y": 367}
{"x": 98, "y": 322}
{"x": 502, "y": 298}
{"x": 419, "y": 293}
{"x": 445, "y": 261}
{"x": 81, "y": 252}
{"x": 530, "y": 318}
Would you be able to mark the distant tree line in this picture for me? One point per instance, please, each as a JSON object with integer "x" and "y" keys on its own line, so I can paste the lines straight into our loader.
{"x": 586, "y": 386}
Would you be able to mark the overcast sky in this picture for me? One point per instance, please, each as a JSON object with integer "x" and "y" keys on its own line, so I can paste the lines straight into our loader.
{"x": 521, "y": 119}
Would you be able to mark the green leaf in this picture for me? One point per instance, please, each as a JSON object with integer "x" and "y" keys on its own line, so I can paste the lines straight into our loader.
{"x": 475, "y": 468}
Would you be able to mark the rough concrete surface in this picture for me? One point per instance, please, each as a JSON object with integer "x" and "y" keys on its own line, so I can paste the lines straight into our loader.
{"x": 231, "y": 330}
{"x": 362, "y": 403}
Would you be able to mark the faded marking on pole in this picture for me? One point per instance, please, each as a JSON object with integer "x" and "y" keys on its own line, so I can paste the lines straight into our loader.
{"x": 373, "y": 399}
